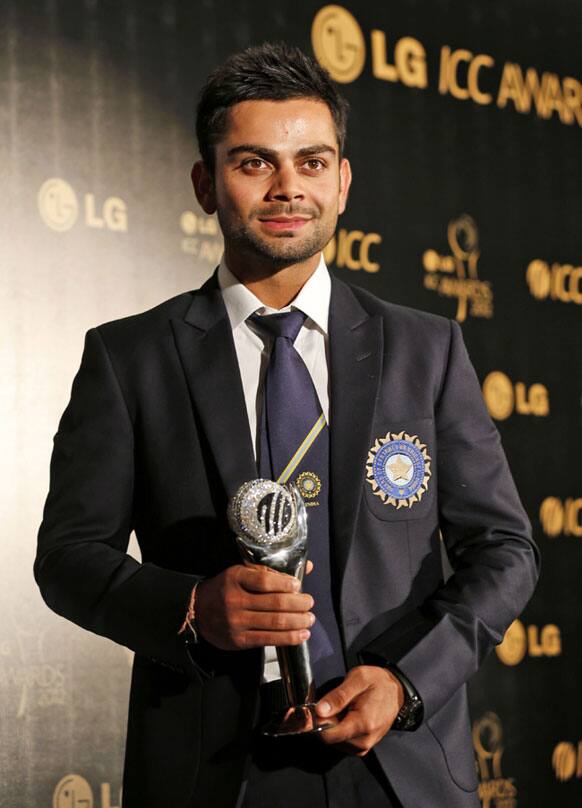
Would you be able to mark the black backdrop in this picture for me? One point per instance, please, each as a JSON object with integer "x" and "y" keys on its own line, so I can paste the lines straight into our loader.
{"x": 465, "y": 144}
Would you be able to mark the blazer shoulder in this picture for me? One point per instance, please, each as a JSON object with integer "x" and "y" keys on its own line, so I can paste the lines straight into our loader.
{"x": 128, "y": 336}
{"x": 402, "y": 319}
{"x": 150, "y": 319}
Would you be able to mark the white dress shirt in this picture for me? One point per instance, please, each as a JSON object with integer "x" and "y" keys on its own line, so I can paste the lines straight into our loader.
{"x": 253, "y": 354}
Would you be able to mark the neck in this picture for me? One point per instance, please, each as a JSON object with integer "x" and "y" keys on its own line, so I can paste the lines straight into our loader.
{"x": 275, "y": 286}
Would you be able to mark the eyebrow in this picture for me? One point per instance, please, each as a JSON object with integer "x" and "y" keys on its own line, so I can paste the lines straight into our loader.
{"x": 270, "y": 154}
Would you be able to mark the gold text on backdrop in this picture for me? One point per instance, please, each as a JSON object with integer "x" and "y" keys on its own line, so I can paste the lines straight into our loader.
{"x": 455, "y": 274}
{"x": 561, "y": 282}
{"x": 339, "y": 45}
{"x": 561, "y": 518}
{"x": 503, "y": 397}
{"x": 494, "y": 789}
{"x": 351, "y": 249}
{"x": 73, "y": 791}
{"x": 533, "y": 641}
{"x": 201, "y": 237}
{"x": 59, "y": 208}
{"x": 567, "y": 760}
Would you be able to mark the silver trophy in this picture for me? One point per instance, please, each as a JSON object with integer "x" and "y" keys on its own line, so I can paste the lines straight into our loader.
{"x": 270, "y": 523}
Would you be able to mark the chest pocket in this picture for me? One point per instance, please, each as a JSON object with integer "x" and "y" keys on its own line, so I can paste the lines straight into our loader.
{"x": 400, "y": 469}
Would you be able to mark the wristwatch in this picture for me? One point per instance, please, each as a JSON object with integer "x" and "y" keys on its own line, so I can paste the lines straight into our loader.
{"x": 410, "y": 714}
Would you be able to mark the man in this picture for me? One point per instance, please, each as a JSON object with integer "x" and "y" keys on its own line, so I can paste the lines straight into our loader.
{"x": 172, "y": 410}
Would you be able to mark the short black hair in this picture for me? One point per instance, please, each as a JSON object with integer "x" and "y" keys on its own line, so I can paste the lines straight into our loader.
{"x": 273, "y": 71}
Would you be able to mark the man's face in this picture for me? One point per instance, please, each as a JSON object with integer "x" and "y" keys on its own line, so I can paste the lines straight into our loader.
{"x": 279, "y": 184}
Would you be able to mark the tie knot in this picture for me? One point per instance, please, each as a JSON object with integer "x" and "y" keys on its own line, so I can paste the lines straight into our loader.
{"x": 287, "y": 324}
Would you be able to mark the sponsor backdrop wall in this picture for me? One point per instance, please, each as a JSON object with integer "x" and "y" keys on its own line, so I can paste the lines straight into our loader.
{"x": 465, "y": 142}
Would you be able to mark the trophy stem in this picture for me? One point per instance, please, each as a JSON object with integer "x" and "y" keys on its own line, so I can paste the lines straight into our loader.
{"x": 296, "y": 674}
{"x": 299, "y": 716}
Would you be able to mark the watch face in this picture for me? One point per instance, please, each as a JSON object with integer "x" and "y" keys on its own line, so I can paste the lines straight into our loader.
{"x": 414, "y": 712}
{"x": 410, "y": 713}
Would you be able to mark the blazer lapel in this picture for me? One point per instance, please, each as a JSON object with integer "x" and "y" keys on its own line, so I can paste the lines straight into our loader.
{"x": 206, "y": 347}
{"x": 356, "y": 350}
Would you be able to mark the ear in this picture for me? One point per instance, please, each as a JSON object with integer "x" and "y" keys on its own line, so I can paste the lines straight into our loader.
{"x": 345, "y": 182}
{"x": 204, "y": 187}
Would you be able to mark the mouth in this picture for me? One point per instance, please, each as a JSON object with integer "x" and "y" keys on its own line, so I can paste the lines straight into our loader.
{"x": 281, "y": 223}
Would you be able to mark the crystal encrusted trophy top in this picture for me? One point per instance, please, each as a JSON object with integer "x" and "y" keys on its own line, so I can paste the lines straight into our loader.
{"x": 264, "y": 512}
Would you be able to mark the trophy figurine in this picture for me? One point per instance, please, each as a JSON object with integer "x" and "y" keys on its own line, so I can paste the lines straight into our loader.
{"x": 270, "y": 523}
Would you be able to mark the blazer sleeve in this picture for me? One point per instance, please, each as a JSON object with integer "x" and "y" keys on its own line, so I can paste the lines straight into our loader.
{"x": 495, "y": 562}
{"x": 82, "y": 567}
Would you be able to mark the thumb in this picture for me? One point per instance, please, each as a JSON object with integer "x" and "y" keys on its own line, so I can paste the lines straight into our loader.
{"x": 337, "y": 699}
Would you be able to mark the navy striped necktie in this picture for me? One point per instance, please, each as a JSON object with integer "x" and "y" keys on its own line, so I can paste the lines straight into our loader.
{"x": 294, "y": 447}
{"x": 292, "y": 415}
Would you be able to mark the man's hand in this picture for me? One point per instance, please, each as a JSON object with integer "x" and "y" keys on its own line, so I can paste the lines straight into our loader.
{"x": 366, "y": 704}
{"x": 252, "y": 606}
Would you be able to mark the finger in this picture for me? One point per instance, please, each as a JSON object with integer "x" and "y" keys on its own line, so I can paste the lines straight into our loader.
{"x": 299, "y": 602}
{"x": 348, "y": 729}
{"x": 309, "y": 568}
{"x": 275, "y": 621}
{"x": 263, "y": 579}
{"x": 258, "y": 639}
{"x": 338, "y": 699}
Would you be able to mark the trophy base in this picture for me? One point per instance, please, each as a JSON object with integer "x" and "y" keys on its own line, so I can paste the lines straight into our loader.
{"x": 300, "y": 719}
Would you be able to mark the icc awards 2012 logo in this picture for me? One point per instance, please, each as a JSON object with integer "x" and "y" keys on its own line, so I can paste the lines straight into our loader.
{"x": 495, "y": 790}
{"x": 455, "y": 275}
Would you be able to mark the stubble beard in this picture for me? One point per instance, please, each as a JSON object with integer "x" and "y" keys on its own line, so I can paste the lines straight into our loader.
{"x": 280, "y": 250}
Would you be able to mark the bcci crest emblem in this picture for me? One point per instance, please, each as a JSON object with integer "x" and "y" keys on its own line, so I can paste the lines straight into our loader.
{"x": 309, "y": 485}
{"x": 398, "y": 469}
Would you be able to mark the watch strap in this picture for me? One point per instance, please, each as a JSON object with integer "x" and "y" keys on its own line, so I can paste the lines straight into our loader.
{"x": 411, "y": 713}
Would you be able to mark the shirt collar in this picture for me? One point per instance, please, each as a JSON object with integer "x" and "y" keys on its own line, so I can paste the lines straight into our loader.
{"x": 313, "y": 298}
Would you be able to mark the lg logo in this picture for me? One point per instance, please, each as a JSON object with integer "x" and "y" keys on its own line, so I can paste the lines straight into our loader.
{"x": 59, "y": 208}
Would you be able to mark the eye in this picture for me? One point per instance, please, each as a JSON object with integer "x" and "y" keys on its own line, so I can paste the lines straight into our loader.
{"x": 314, "y": 164}
{"x": 255, "y": 163}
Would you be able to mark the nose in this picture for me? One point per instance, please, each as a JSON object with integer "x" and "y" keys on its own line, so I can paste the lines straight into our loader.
{"x": 286, "y": 185}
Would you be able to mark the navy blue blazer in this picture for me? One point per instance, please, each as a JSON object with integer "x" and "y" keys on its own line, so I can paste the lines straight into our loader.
{"x": 156, "y": 439}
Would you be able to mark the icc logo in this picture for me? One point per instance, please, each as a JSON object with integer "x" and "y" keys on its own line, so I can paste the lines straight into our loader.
{"x": 502, "y": 398}
{"x": 455, "y": 274}
{"x": 59, "y": 208}
{"x": 559, "y": 282}
{"x": 351, "y": 249}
